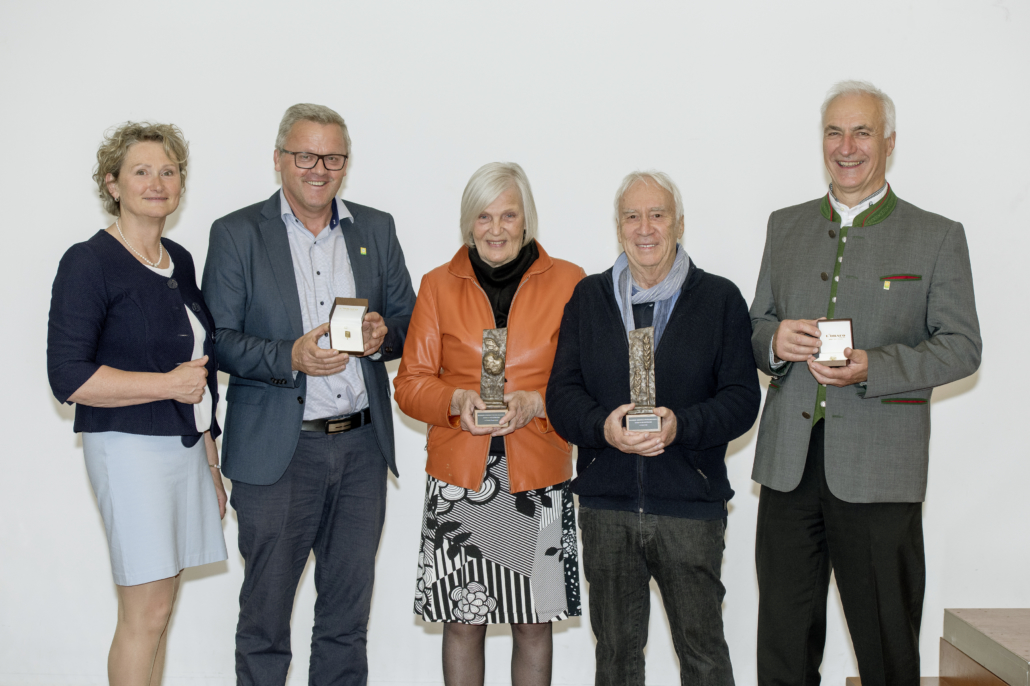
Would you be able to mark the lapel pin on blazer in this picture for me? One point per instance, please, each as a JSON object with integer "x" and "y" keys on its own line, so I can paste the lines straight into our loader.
{"x": 363, "y": 251}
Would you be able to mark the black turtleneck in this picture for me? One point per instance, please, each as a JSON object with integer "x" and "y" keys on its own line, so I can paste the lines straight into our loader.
{"x": 500, "y": 283}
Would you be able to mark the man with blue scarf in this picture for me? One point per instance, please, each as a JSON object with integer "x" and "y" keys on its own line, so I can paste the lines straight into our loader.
{"x": 653, "y": 505}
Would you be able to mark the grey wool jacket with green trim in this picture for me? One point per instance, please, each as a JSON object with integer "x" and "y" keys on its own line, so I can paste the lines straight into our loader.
{"x": 903, "y": 276}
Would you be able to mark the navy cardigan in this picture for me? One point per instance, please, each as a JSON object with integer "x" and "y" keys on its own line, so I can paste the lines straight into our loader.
{"x": 704, "y": 372}
{"x": 107, "y": 308}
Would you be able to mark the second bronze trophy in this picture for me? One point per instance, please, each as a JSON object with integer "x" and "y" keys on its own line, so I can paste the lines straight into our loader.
{"x": 641, "y": 382}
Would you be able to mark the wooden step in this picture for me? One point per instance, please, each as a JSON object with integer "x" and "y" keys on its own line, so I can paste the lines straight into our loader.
{"x": 960, "y": 669}
{"x": 923, "y": 681}
{"x": 996, "y": 639}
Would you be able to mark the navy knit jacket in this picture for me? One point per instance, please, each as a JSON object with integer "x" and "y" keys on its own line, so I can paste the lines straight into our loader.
{"x": 704, "y": 372}
{"x": 108, "y": 309}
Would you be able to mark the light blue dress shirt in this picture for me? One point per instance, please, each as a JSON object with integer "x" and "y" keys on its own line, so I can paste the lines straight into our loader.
{"x": 323, "y": 271}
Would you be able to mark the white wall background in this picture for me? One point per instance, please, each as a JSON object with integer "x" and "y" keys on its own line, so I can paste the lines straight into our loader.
{"x": 723, "y": 96}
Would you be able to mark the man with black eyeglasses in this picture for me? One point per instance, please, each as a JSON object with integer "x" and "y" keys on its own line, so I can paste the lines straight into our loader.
{"x": 309, "y": 429}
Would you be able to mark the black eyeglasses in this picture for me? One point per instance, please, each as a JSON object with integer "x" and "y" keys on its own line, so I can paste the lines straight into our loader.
{"x": 308, "y": 160}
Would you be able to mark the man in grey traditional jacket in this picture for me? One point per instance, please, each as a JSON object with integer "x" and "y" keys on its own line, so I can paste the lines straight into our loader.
{"x": 842, "y": 451}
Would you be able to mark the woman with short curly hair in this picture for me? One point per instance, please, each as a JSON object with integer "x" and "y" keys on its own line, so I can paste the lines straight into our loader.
{"x": 131, "y": 344}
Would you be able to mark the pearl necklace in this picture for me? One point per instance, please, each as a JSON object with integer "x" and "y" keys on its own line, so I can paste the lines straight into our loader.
{"x": 160, "y": 247}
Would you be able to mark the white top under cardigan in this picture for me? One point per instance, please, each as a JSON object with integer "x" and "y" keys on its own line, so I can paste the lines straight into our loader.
{"x": 202, "y": 410}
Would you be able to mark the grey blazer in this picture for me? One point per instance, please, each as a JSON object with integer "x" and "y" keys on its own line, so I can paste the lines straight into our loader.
{"x": 251, "y": 290}
{"x": 920, "y": 331}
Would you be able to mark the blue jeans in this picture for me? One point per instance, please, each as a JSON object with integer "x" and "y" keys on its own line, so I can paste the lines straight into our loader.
{"x": 331, "y": 500}
{"x": 622, "y": 551}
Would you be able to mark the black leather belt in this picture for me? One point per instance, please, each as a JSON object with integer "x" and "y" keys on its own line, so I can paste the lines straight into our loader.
{"x": 337, "y": 425}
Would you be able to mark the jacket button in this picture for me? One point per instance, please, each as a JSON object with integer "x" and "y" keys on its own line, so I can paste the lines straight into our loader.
{"x": 196, "y": 307}
{"x": 388, "y": 350}
{"x": 824, "y": 276}
{"x": 300, "y": 400}
{"x": 803, "y": 414}
{"x": 833, "y": 234}
{"x": 173, "y": 284}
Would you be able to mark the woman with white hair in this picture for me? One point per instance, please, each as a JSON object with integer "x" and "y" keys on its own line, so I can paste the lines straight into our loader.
{"x": 498, "y": 534}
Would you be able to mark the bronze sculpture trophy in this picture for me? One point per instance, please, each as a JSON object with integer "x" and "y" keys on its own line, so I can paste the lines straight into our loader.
{"x": 491, "y": 383}
{"x": 641, "y": 382}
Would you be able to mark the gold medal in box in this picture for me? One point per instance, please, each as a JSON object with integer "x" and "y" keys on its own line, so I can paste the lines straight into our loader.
{"x": 345, "y": 325}
{"x": 836, "y": 335}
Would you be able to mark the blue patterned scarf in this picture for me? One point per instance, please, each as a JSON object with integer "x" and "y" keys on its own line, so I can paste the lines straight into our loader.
{"x": 664, "y": 294}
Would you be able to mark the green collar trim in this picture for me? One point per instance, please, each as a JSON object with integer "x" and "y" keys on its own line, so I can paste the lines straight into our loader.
{"x": 874, "y": 215}
{"x": 826, "y": 209}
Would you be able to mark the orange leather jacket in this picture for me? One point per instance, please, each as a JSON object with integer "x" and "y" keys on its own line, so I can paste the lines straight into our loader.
{"x": 443, "y": 351}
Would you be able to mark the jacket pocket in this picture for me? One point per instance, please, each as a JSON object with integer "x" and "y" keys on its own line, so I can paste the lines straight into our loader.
{"x": 245, "y": 395}
{"x": 911, "y": 398}
{"x": 707, "y": 484}
{"x": 899, "y": 278}
{"x": 686, "y": 478}
{"x": 904, "y": 401}
{"x": 609, "y": 473}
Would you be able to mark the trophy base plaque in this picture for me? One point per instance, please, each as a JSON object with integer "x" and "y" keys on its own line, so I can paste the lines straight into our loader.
{"x": 644, "y": 422}
{"x": 490, "y": 417}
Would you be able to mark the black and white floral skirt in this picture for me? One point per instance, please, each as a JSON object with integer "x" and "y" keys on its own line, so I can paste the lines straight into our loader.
{"x": 494, "y": 557}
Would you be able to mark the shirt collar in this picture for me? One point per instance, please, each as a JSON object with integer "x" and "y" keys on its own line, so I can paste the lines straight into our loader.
{"x": 340, "y": 212}
{"x": 849, "y": 213}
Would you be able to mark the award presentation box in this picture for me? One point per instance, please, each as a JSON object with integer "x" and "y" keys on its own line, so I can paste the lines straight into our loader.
{"x": 345, "y": 325}
{"x": 837, "y": 335}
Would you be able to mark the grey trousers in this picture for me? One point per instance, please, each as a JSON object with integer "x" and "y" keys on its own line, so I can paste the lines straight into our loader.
{"x": 622, "y": 551}
{"x": 331, "y": 500}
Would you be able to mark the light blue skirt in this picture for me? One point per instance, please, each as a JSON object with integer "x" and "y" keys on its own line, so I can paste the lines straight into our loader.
{"x": 158, "y": 502}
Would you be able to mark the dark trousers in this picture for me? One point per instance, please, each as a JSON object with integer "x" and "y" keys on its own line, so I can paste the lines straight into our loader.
{"x": 622, "y": 551}
{"x": 331, "y": 500}
{"x": 876, "y": 553}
